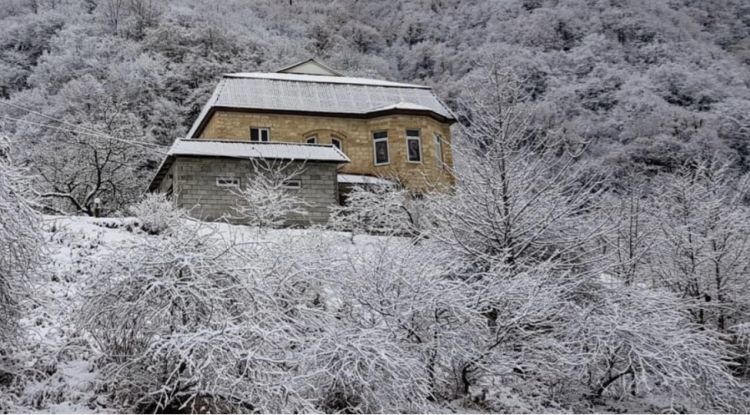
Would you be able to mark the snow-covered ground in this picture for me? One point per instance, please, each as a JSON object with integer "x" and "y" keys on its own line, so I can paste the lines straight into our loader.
{"x": 57, "y": 357}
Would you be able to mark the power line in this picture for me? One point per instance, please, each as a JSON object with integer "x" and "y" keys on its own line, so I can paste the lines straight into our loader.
{"x": 51, "y": 117}
{"x": 138, "y": 143}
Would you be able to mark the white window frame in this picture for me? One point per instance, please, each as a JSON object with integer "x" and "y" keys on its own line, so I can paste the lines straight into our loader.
{"x": 439, "y": 150}
{"x": 260, "y": 134}
{"x": 311, "y": 139}
{"x": 228, "y": 181}
{"x": 375, "y": 142}
{"x": 418, "y": 137}
{"x": 294, "y": 184}
{"x": 337, "y": 140}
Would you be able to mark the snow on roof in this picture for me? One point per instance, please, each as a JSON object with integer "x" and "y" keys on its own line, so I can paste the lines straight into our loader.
{"x": 247, "y": 150}
{"x": 362, "y": 179}
{"x": 318, "y": 94}
{"x": 323, "y": 79}
{"x": 271, "y": 150}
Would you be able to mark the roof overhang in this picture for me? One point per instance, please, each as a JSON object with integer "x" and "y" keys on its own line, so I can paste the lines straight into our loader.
{"x": 318, "y": 153}
{"x": 205, "y": 118}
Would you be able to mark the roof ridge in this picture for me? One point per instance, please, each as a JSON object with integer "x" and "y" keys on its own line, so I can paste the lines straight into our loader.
{"x": 322, "y": 79}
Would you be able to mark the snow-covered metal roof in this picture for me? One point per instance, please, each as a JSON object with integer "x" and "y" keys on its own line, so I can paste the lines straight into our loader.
{"x": 319, "y": 94}
{"x": 270, "y": 150}
{"x": 321, "y": 79}
{"x": 362, "y": 179}
{"x": 322, "y": 153}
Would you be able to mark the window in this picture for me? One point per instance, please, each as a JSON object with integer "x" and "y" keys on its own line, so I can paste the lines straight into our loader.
{"x": 228, "y": 181}
{"x": 380, "y": 143}
{"x": 439, "y": 150}
{"x": 413, "y": 146}
{"x": 337, "y": 143}
{"x": 260, "y": 134}
{"x": 311, "y": 140}
{"x": 292, "y": 184}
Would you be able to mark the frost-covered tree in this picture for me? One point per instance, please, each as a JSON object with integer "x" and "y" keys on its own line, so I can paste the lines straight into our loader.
{"x": 702, "y": 249}
{"x": 80, "y": 156}
{"x": 520, "y": 196}
{"x": 267, "y": 198}
{"x": 629, "y": 236}
{"x": 20, "y": 243}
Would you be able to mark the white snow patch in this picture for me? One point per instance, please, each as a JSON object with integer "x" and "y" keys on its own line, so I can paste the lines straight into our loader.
{"x": 362, "y": 179}
{"x": 238, "y": 149}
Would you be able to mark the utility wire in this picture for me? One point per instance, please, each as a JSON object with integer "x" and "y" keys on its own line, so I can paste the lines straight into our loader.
{"x": 150, "y": 146}
{"x": 76, "y": 126}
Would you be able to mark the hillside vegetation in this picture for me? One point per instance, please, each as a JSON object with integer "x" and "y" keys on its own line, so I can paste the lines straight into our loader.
{"x": 594, "y": 255}
{"x": 647, "y": 84}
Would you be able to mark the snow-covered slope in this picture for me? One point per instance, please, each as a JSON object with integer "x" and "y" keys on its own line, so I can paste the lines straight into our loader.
{"x": 57, "y": 359}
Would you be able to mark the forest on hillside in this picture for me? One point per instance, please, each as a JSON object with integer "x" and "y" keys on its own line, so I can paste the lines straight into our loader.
{"x": 594, "y": 255}
{"x": 649, "y": 85}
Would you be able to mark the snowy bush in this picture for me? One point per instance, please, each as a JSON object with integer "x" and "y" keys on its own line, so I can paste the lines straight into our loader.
{"x": 165, "y": 316}
{"x": 187, "y": 321}
{"x": 402, "y": 298}
{"x": 156, "y": 213}
{"x": 634, "y": 342}
{"x": 379, "y": 209}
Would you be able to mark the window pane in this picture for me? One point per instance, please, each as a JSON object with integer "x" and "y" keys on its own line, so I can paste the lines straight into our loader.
{"x": 380, "y": 134}
{"x": 264, "y": 134}
{"x": 311, "y": 140}
{"x": 227, "y": 181}
{"x": 336, "y": 142}
{"x": 414, "y": 151}
{"x": 381, "y": 152}
{"x": 412, "y": 133}
{"x": 292, "y": 184}
{"x": 254, "y": 134}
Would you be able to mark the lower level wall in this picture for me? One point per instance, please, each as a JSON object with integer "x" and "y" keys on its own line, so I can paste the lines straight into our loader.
{"x": 195, "y": 188}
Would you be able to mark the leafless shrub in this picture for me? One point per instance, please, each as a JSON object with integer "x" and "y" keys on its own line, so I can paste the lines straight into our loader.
{"x": 156, "y": 213}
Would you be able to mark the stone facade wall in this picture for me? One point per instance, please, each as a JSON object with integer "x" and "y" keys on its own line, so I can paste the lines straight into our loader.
{"x": 196, "y": 190}
{"x": 357, "y": 141}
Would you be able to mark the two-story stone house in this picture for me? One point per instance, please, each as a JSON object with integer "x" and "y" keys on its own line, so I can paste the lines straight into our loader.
{"x": 345, "y": 130}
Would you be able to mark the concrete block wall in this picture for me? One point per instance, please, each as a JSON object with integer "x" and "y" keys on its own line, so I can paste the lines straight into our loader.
{"x": 196, "y": 189}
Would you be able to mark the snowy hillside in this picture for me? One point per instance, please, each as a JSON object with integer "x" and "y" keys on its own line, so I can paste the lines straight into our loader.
{"x": 61, "y": 359}
{"x": 345, "y": 322}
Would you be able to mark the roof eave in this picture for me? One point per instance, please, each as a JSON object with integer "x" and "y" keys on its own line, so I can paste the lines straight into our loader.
{"x": 264, "y": 158}
{"x": 164, "y": 167}
{"x": 378, "y": 113}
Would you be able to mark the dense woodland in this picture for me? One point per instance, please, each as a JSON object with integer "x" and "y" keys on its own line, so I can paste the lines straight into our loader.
{"x": 648, "y": 84}
{"x": 595, "y": 255}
